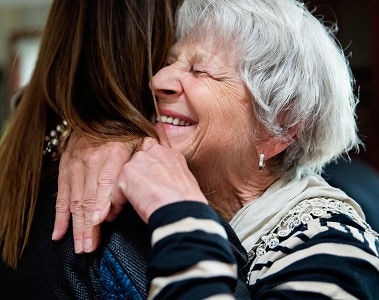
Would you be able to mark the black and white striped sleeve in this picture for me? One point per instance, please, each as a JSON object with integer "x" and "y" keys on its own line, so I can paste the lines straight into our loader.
{"x": 191, "y": 256}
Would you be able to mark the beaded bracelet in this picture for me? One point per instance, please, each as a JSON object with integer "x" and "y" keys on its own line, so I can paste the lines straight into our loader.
{"x": 55, "y": 138}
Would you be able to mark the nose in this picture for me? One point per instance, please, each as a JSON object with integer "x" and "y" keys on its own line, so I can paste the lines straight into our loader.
{"x": 166, "y": 83}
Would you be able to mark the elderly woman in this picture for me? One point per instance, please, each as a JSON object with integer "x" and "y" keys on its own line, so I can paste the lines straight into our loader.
{"x": 255, "y": 99}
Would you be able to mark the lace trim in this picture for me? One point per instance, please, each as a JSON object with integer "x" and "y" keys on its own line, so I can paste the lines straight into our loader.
{"x": 302, "y": 213}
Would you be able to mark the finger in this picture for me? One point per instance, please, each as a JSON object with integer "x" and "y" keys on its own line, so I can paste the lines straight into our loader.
{"x": 91, "y": 234}
{"x": 107, "y": 181}
{"x": 76, "y": 207}
{"x": 118, "y": 202}
{"x": 62, "y": 206}
{"x": 103, "y": 214}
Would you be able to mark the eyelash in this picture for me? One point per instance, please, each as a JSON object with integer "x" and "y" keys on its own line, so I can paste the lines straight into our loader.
{"x": 198, "y": 73}
{"x": 193, "y": 71}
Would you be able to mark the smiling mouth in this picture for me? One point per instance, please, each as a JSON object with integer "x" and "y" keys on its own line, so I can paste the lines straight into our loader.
{"x": 173, "y": 121}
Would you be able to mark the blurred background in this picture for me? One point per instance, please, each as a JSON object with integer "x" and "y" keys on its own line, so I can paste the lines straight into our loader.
{"x": 22, "y": 22}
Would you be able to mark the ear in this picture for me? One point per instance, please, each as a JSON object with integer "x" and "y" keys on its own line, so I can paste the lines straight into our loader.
{"x": 272, "y": 146}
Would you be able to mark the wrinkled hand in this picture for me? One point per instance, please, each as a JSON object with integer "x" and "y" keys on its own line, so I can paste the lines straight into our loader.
{"x": 88, "y": 171}
{"x": 156, "y": 176}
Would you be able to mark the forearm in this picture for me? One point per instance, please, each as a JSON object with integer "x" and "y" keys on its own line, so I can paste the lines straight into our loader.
{"x": 191, "y": 256}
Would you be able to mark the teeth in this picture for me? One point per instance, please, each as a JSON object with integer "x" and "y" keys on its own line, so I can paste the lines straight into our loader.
{"x": 175, "y": 121}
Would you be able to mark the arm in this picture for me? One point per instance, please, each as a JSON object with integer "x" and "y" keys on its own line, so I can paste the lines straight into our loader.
{"x": 191, "y": 257}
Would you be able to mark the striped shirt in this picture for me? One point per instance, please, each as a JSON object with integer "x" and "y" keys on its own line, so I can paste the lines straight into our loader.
{"x": 192, "y": 258}
{"x": 324, "y": 253}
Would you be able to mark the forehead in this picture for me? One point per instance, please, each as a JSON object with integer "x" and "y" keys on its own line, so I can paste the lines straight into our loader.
{"x": 204, "y": 51}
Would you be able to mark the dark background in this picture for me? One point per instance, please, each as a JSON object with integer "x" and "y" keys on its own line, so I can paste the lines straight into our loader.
{"x": 358, "y": 25}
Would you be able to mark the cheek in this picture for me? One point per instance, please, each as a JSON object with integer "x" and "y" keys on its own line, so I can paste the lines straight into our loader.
{"x": 225, "y": 120}
{"x": 232, "y": 111}
{"x": 218, "y": 102}
{"x": 227, "y": 125}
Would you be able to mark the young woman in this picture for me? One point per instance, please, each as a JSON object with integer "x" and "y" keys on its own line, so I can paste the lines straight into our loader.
{"x": 93, "y": 70}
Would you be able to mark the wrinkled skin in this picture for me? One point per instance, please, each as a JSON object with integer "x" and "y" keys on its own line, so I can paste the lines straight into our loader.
{"x": 156, "y": 172}
{"x": 88, "y": 172}
{"x": 157, "y": 176}
{"x": 207, "y": 116}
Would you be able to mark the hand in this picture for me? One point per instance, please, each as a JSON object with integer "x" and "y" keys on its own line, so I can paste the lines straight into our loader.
{"x": 88, "y": 171}
{"x": 156, "y": 176}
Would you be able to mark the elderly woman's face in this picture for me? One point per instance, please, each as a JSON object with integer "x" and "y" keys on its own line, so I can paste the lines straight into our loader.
{"x": 205, "y": 108}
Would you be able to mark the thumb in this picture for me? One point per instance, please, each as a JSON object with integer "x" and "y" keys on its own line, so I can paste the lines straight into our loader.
{"x": 118, "y": 201}
{"x": 101, "y": 212}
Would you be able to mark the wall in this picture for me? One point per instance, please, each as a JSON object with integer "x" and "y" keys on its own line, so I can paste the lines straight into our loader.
{"x": 17, "y": 17}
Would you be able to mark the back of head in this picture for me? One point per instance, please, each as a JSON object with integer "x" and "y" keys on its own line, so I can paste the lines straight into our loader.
{"x": 93, "y": 69}
{"x": 295, "y": 70}
{"x": 99, "y": 58}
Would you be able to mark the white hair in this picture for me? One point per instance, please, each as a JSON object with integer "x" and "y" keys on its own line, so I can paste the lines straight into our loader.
{"x": 295, "y": 70}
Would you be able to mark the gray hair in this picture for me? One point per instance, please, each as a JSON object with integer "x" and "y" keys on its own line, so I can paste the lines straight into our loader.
{"x": 294, "y": 68}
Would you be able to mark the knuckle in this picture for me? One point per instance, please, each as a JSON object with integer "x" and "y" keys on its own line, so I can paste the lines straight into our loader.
{"x": 118, "y": 148}
{"x": 62, "y": 205}
{"x": 107, "y": 179}
{"x": 89, "y": 197}
{"x": 141, "y": 155}
{"x": 76, "y": 206}
{"x": 89, "y": 204}
{"x": 92, "y": 159}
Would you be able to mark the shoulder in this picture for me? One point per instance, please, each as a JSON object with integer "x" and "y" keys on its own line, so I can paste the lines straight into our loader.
{"x": 322, "y": 247}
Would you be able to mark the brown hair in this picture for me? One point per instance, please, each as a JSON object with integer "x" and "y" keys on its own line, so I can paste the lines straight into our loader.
{"x": 93, "y": 69}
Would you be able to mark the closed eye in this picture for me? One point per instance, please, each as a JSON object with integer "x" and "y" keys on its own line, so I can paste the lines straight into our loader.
{"x": 198, "y": 73}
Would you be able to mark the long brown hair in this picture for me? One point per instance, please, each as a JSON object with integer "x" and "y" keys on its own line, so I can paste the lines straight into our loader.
{"x": 95, "y": 62}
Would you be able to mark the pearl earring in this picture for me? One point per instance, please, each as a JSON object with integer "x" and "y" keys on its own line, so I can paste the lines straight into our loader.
{"x": 261, "y": 163}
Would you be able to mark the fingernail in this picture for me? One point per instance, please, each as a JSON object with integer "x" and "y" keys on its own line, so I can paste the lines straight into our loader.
{"x": 54, "y": 236}
{"x": 78, "y": 247}
{"x": 96, "y": 218}
{"x": 88, "y": 245}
